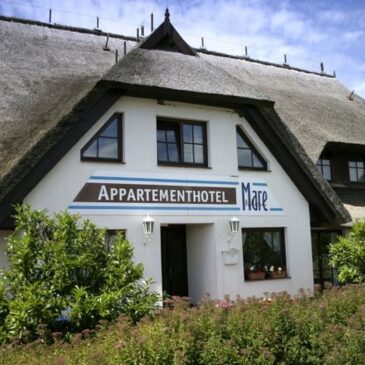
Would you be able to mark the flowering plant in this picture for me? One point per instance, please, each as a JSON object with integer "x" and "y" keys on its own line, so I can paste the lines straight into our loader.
{"x": 271, "y": 268}
{"x": 255, "y": 268}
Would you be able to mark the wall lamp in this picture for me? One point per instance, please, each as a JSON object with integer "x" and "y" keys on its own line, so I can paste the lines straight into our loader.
{"x": 148, "y": 226}
{"x": 234, "y": 224}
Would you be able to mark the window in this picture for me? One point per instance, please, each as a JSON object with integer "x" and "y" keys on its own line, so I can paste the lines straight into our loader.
{"x": 357, "y": 170}
{"x": 110, "y": 237}
{"x": 324, "y": 166}
{"x": 264, "y": 253}
{"x": 247, "y": 155}
{"x": 106, "y": 144}
{"x": 181, "y": 143}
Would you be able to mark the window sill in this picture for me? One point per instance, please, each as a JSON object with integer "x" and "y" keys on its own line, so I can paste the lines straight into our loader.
{"x": 105, "y": 160}
{"x": 253, "y": 169}
{"x": 266, "y": 279}
{"x": 183, "y": 165}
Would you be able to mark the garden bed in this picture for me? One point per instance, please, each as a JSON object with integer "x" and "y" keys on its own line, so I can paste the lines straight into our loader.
{"x": 328, "y": 329}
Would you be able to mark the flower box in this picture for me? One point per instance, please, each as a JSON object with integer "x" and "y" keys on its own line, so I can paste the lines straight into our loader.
{"x": 278, "y": 274}
{"x": 252, "y": 275}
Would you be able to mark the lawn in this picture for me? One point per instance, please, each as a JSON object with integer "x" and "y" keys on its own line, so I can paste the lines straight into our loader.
{"x": 327, "y": 329}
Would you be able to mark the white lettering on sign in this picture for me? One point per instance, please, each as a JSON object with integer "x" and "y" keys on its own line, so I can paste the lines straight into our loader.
{"x": 107, "y": 194}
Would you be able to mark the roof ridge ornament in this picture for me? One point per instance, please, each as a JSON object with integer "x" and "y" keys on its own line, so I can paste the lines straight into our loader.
{"x": 167, "y": 15}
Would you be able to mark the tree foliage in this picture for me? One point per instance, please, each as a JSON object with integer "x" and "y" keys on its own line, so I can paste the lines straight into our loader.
{"x": 348, "y": 254}
{"x": 62, "y": 276}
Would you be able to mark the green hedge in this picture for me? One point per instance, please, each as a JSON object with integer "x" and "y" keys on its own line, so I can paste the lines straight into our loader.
{"x": 325, "y": 330}
{"x": 62, "y": 278}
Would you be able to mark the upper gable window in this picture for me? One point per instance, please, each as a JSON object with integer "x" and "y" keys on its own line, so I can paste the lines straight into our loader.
{"x": 357, "y": 170}
{"x": 106, "y": 144}
{"x": 181, "y": 143}
{"x": 324, "y": 165}
{"x": 247, "y": 155}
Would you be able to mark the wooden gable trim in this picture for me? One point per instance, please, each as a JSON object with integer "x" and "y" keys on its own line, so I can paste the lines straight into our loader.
{"x": 166, "y": 33}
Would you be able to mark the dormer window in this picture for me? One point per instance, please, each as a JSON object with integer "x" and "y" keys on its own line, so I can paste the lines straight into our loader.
{"x": 106, "y": 144}
{"x": 247, "y": 155}
{"x": 325, "y": 167}
{"x": 357, "y": 170}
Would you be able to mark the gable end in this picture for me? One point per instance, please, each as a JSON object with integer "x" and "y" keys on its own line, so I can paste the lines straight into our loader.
{"x": 166, "y": 38}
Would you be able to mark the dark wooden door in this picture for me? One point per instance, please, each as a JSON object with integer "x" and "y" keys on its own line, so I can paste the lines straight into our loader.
{"x": 322, "y": 271}
{"x": 173, "y": 257}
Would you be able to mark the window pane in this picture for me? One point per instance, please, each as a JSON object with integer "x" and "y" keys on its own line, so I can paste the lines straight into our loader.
{"x": 263, "y": 249}
{"x": 171, "y": 136}
{"x": 244, "y": 158}
{"x": 360, "y": 164}
{"x": 361, "y": 176}
{"x": 241, "y": 142}
{"x": 252, "y": 249}
{"x": 326, "y": 162}
{"x": 161, "y": 152}
{"x": 111, "y": 130}
{"x": 108, "y": 147}
{"x": 352, "y": 163}
{"x": 161, "y": 136}
{"x": 198, "y": 134}
{"x": 326, "y": 170}
{"x": 353, "y": 174}
{"x": 268, "y": 240}
{"x": 198, "y": 154}
{"x": 256, "y": 161}
{"x": 276, "y": 237}
{"x": 173, "y": 152}
{"x": 188, "y": 153}
{"x": 188, "y": 133}
{"x": 91, "y": 151}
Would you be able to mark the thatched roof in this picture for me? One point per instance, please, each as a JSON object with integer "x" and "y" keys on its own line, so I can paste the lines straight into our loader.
{"x": 48, "y": 70}
{"x": 44, "y": 72}
{"x": 315, "y": 108}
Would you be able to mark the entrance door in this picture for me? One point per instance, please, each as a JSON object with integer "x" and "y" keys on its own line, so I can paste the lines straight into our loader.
{"x": 173, "y": 258}
{"x": 323, "y": 272}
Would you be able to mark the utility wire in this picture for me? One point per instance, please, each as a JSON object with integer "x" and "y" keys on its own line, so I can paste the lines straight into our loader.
{"x": 145, "y": 20}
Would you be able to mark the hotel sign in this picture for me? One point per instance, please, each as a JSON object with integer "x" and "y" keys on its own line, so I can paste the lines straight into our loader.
{"x": 127, "y": 193}
{"x": 156, "y": 194}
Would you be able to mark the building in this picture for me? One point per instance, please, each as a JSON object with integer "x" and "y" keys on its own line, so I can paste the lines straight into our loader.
{"x": 191, "y": 140}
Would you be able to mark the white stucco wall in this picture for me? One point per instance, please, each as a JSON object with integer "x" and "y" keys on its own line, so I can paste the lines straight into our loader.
{"x": 3, "y": 259}
{"x": 60, "y": 186}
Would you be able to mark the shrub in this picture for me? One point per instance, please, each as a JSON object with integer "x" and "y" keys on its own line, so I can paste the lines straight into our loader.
{"x": 327, "y": 330}
{"x": 62, "y": 277}
{"x": 348, "y": 254}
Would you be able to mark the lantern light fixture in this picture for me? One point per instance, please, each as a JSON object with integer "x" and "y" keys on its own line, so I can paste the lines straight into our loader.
{"x": 234, "y": 224}
{"x": 148, "y": 226}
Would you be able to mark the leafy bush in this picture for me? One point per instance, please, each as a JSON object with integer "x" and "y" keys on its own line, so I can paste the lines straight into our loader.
{"x": 348, "y": 254}
{"x": 327, "y": 330}
{"x": 62, "y": 278}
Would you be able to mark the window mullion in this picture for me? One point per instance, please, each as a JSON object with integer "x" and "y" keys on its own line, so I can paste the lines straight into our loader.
{"x": 181, "y": 143}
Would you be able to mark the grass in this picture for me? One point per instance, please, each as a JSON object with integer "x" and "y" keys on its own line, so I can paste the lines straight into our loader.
{"x": 328, "y": 329}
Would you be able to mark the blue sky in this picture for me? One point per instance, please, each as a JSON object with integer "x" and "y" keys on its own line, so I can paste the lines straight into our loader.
{"x": 308, "y": 31}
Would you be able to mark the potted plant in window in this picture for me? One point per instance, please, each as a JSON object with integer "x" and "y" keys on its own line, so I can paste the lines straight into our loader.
{"x": 278, "y": 273}
{"x": 255, "y": 273}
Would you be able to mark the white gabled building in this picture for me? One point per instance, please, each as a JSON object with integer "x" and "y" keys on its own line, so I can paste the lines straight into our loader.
{"x": 173, "y": 136}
